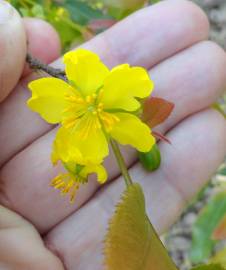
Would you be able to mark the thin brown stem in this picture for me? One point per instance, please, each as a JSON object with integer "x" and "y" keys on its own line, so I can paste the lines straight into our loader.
{"x": 36, "y": 64}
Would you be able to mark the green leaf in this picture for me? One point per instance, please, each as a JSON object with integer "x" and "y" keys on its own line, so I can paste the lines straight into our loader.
{"x": 82, "y": 13}
{"x": 38, "y": 11}
{"x": 69, "y": 32}
{"x": 208, "y": 219}
{"x": 223, "y": 171}
{"x": 209, "y": 267}
{"x": 152, "y": 159}
{"x": 131, "y": 242}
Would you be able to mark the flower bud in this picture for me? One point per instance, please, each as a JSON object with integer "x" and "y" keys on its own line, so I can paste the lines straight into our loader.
{"x": 152, "y": 159}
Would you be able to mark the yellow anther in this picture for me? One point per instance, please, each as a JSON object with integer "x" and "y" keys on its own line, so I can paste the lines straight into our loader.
{"x": 60, "y": 185}
{"x": 100, "y": 105}
{"x": 74, "y": 99}
{"x": 80, "y": 100}
{"x": 56, "y": 180}
{"x": 89, "y": 99}
{"x": 66, "y": 183}
{"x": 70, "y": 98}
{"x": 94, "y": 112}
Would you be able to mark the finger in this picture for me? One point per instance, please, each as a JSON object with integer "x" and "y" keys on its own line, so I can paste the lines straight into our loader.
{"x": 21, "y": 246}
{"x": 38, "y": 33}
{"x": 43, "y": 41}
{"x": 185, "y": 84}
{"x": 146, "y": 44}
{"x": 199, "y": 145}
{"x": 12, "y": 48}
{"x": 183, "y": 80}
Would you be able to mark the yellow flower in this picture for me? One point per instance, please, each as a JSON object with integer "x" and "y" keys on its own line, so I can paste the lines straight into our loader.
{"x": 95, "y": 104}
{"x": 77, "y": 166}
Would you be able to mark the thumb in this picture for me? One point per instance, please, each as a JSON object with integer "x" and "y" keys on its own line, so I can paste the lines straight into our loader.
{"x": 21, "y": 247}
{"x": 12, "y": 48}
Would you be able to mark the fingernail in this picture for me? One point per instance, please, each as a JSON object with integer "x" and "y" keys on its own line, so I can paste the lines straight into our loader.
{"x": 6, "y": 11}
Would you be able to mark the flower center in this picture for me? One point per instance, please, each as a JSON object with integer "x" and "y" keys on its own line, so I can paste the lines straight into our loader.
{"x": 87, "y": 114}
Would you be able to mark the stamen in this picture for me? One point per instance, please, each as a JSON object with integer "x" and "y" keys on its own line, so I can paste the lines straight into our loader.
{"x": 67, "y": 187}
{"x": 69, "y": 122}
{"x": 74, "y": 99}
{"x": 67, "y": 184}
{"x": 109, "y": 120}
{"x": 73, "y": 193}
{"x": 89, "y": 99}
{"x": 69, "y": 108}
{"x": 60, "y": 185}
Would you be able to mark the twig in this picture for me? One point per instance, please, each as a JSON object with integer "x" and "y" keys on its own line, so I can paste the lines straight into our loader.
{"x": 36, "y": 64}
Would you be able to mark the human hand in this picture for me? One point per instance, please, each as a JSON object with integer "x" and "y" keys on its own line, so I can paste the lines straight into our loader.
{"x": 169, "y": 40}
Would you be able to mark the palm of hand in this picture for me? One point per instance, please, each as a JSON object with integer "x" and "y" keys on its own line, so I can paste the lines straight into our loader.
{"x": 169, "y": 40}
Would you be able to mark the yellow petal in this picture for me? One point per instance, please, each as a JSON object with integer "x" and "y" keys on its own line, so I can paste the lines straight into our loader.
{"x": 99, "y": 170}
{"x": 69, "y": 146}
{"x": 131, "y": 130}
{"x": 85, "y": 70}
{"x": 63, "y": 149}
{"x": 123, "y": 85}
{"x": 94, "y": 148}
{"x": 48, "y": 98}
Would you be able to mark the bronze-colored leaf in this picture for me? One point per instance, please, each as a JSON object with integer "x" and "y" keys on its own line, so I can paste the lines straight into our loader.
{"x": 156, "y": 110}
{"x": 131, "y": 242}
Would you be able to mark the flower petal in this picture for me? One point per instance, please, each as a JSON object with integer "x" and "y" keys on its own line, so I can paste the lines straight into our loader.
{"x": 94, "y": 147}
{"x": 48, "y": 98}
{"x": 63, "y": 149}
{"x": 99, "y": 170}
{"x": 69, "y": 146}
{"x": 123, "y": 85}
{"x": 131, "y": 130}
{"x": 85, "y": 70}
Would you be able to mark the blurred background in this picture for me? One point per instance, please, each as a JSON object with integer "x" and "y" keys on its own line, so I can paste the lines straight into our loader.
{"x": 201, "y": 230}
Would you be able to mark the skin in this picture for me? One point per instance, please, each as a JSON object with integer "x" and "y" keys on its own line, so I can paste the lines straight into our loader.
{"x": 169, "y": 39}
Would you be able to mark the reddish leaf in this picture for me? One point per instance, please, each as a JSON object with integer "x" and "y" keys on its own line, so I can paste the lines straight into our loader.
{"x": 156, "y": 110}
{"x": 220, "y": 231}
{"x": 100, "y": 24}
{"x": 160, "y": 136}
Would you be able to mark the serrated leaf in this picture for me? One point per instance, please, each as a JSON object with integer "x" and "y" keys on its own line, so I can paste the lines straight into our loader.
{"x": 131, "y": 242}
{"x": 212, "y": 266}
{"x": 202, "y": 242}
{"x": 82, "y": 13}
{"x": 156, "y": 110}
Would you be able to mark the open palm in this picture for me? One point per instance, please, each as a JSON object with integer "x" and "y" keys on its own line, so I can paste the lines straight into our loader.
{"x": 169, "y": 39}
